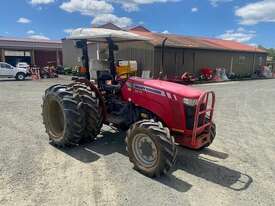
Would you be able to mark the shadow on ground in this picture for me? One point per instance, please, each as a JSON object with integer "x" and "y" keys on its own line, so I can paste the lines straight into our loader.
{"x": 13, "y": 80}
{"x": 198, "y": 163}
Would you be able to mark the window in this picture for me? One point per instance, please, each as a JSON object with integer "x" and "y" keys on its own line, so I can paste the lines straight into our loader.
{"x": 14, "y": 53}
{"x": 27, "y": 54}
{"x": 242, "y": 59}
{"x": 5, "y": 66}
{"x": 8, "y": 66}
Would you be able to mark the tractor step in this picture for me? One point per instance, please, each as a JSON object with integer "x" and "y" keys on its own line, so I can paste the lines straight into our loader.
{"x": 114, "y": 119}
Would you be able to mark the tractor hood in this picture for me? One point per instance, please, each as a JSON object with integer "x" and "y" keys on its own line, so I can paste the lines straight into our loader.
{"x": 165, "y": 86}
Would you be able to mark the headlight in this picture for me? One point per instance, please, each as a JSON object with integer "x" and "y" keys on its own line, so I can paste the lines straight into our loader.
{"x": 190, "y": 102}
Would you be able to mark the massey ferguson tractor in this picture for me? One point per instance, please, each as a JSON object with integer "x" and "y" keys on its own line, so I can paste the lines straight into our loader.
{"x": 157, "y": 115}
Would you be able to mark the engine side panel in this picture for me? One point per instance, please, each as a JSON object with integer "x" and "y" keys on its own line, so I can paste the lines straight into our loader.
{"x": 165, "y": 105}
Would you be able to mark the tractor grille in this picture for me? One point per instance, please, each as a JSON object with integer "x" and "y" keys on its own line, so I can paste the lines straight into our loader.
{"x": 190, "y": 116}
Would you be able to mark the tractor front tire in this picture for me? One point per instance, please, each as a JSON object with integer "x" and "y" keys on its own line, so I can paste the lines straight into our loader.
{"x": 212, "y": 135}
{"x": 151, "y": 148}
{"x": 62, "y": 116}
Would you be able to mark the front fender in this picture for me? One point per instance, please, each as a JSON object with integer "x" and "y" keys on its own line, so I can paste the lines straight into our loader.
{"x": 21, "y": 70}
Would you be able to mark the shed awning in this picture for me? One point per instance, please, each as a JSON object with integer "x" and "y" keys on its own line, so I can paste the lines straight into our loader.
{"x": 100, "y": 35}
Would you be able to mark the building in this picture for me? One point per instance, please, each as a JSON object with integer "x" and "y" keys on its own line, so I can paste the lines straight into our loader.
{"x": 181, "y": 54}
{"x": 271, "y": 63}
{"x": 32, "y": 51}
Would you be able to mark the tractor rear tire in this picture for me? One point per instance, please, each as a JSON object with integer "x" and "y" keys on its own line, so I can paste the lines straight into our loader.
{"x": 151, "y": 148}
{"x": 63, "y": 117}
{"x": 93, "y": 111}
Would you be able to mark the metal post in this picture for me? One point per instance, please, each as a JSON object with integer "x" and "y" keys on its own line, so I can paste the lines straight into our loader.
{"x": 231, "y": 65}
{"x": 57, "y": 57}
{"x": 194, "y": 62}
{"x": 2, "y": 55}
{"x": 97, "y": 51}
{"x": 33, "y": 57}
{"x": 254, "y": 62}
{"x": 111, "y": 58}
{"x": 85, "y": 59}
{"x": 162, "y": 57}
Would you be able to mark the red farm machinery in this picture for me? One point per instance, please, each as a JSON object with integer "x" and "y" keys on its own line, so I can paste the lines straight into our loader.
{"x": 157, "y": 115}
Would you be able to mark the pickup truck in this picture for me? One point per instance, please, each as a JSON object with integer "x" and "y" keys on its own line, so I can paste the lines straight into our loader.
{"x": 9, "y": 71}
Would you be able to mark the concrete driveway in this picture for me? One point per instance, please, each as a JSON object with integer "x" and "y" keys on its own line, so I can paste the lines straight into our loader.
{"x": 238, "y": 169}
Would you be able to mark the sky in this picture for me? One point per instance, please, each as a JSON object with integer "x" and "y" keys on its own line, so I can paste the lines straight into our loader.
{"x": 247, "y": 21}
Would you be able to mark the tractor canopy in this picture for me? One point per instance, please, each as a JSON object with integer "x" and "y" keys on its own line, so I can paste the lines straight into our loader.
{"x": 164, "y": 86}
{"x": 101, "y": 35}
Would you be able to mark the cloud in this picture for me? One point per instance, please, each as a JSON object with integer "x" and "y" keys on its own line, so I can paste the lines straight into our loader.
{"x": 95, "y": 7}
{"x": 111, "y": 18}
{"x": 39, "y": 37}
{"x": 133, "y": 5}
{"x": 253, "y": 45}
{"x": 87, "y": 7}
{"x": 216, "y": 3}
{"x": 101, "y": 10}
{"x": 30, "y": 32}
{"x": 23, "y": 20}
{"x": 37, "y": 2}
{"x": 239, "y": 35}
{"x": 165, "y": 32}
{"x": 254, "y": 13}
{"x": 194, "y": 9}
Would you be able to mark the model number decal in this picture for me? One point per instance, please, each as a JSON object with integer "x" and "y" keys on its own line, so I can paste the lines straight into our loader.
{"x": 148, "y": 89}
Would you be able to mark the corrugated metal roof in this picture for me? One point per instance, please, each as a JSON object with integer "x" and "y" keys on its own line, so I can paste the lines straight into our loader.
{"x": 139, "y": 28}
{"x": 30, "y": 40}
{"x": 232, "y": 45}
{"x": 197, "y": 42}
{"x": 18, "y": 43}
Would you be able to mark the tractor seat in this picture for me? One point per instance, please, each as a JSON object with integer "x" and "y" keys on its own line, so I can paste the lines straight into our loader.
{"x": 103, "y": 77}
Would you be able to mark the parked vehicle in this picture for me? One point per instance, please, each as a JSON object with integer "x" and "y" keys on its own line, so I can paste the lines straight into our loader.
{"x": 8, "y": 71}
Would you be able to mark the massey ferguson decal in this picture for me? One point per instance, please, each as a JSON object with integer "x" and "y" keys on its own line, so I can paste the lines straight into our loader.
{"x": 149, "y": 89}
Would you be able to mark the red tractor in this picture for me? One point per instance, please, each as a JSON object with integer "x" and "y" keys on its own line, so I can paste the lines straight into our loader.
{"x": 157, "y": 115}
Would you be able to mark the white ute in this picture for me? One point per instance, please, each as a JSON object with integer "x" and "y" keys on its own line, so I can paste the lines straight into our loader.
{"x": 8, "y": 71}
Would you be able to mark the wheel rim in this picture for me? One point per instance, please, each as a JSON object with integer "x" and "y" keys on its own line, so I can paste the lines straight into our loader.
{"x": 20, "y": 76}
{"x": 145, "y": 150}
{"x": 56, "y": 119}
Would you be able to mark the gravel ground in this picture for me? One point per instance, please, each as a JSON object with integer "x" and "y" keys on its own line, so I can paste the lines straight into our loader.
{"x": 238, "y": 169}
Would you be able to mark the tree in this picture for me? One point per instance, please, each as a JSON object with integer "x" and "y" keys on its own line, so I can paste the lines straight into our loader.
{"x": 271, "y": 51}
